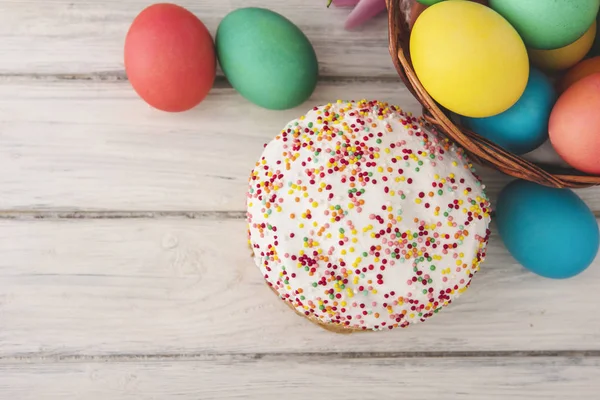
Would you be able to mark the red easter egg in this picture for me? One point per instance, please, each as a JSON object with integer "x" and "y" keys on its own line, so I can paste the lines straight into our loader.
{"x": 170, "y": 57}
{"x": 574, "y": 125}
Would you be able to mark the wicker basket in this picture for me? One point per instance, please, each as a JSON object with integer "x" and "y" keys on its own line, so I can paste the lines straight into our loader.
{"x": 480, "y": 149}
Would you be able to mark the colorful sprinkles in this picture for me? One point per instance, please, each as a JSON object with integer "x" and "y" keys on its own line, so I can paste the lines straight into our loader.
{"x": 360, "y": 217}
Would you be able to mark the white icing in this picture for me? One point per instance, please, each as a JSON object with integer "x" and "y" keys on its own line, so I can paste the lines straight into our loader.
{"x": 281, "y": 163}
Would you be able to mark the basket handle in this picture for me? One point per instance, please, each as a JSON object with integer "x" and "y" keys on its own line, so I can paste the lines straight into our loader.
{"x": 398, "y": 30}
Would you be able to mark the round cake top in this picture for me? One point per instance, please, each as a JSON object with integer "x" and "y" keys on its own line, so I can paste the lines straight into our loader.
{"x": 361, "y": 218}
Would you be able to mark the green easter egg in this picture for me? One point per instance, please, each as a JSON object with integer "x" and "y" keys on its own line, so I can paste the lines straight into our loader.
{"x": 429, "y": 2}
{"x": 266, "y": 58}
{"x": 548, "y": 24}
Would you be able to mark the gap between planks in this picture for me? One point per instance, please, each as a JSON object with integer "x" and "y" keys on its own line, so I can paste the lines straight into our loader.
{"x": 37, "y": 358}
{"x": 28, "y": 215}
{"x": 120, "y": 76}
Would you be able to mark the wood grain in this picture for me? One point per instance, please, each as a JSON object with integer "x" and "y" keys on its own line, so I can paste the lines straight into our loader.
{"x": 95, "y": 145}
{"x": 73, "y": 145}
{"x": 181, "y": 286}
{"x": 87, "y": 36}
{"x": 124, "y": 271}
{"x": 305, "y": 377}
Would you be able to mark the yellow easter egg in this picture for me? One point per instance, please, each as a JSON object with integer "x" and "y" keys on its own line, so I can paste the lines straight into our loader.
{"x": 564, "y": 57}
{"x": 469, "y": 58}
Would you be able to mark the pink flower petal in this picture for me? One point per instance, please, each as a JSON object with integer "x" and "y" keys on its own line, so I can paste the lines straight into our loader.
{"x": 364, "y": 10}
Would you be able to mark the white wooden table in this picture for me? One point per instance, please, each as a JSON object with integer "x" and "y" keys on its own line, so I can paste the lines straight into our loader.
{"x": 124, "y": 271}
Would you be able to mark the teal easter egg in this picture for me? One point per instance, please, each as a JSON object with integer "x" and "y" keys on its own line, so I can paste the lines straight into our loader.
{"x": 551, "y": 232}
{"x": 266, "y": 58}
{"x": 548, "y": 24}
{"x": 523, "y": 127}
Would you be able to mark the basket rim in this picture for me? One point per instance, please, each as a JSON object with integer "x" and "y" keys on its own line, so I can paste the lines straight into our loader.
{"x": 479, "y": 149}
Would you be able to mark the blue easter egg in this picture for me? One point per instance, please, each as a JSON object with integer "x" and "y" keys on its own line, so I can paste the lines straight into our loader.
{"x": 523, "y": 127}
{"x": 551, "y": 232}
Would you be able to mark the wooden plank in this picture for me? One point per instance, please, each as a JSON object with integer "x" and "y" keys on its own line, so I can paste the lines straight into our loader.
{"x": 305, "y": 377}
{"x": 95, "y": 146}
{"x": 86, "y": 37}
{"x": 181, "y": 286}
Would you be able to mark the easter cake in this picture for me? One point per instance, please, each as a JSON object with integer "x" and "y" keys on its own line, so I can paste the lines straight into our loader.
{"x": 361, "y": 218}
